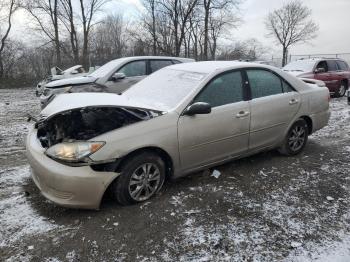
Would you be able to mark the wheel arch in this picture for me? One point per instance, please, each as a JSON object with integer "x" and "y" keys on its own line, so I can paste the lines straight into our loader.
{"x": 309, "y": 123}
{"x": 168, "y": 161}
{"x": 345, "y": 80}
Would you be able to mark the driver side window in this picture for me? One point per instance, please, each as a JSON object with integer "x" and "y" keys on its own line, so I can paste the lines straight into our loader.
{"x": 223, "y": 89}
{"x": 322, "y": 64}
{"x": 136, "y": 68}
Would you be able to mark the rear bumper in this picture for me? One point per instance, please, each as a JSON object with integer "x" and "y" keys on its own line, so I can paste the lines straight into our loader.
{"x": 320, "y": 120}
{"x": 74, "y": 187}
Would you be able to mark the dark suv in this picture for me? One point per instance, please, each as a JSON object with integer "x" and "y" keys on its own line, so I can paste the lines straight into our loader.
{"x": 334, "y": 72}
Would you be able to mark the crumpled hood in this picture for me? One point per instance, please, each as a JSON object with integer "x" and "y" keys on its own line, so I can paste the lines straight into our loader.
{"x": 65, "y": 102}
{"x": 71, "y": 81}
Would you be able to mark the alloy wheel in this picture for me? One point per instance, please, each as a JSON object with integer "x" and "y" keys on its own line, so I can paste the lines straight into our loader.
{"x": 342, "y": 90}
{"x": 144, "y": 182}
{"x": 297, "y": 138}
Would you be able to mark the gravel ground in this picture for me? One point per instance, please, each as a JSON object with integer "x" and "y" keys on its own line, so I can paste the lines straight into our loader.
{"x": 262, "y": 208}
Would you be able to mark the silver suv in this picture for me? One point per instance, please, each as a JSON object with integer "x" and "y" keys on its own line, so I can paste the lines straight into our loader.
{"x": 114, "y": 77}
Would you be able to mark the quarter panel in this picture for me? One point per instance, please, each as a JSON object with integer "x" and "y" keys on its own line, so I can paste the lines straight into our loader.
{"x": 157, "y": 132}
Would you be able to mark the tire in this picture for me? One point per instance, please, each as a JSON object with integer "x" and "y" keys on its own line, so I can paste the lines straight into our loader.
{"x": 342, "y": 90}
{"x": 142, "y": 176}
{"x": 295, "y": 139}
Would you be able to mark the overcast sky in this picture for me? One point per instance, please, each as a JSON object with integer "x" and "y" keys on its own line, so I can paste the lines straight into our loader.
{"x": 332, "y": 17}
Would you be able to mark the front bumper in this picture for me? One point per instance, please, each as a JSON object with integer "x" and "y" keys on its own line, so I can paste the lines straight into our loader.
{"x": 75, "y": 187}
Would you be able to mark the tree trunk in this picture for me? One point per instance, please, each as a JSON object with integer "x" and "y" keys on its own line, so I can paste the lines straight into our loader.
{"x": 154, "y": 29}
{"x": 57, "y": 37}
{"x": 284, "y": 56}
{"x": 206, "y": 29}
{"x": 1, "y": 68}
{"x": 176, "y": 25}
{"x": 85, "y": 60}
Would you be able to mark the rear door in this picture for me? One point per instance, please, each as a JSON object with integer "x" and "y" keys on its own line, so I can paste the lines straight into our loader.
{"x": 343, "y": 69}
{"x": 209, "y": 138}
{"x": 273, "y": 105}
{"x": 335, "y": 76}
{"x": 134, "y": 72}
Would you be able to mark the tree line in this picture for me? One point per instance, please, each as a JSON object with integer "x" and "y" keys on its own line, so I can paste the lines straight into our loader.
{"x": 70, "y": 32}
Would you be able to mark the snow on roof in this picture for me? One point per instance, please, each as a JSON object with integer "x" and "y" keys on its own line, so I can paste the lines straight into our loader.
{"x": 212, "y": 66}
{"x": 131, "y": 58}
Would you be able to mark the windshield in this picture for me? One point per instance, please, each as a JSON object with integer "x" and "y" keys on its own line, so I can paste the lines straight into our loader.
{"x": 300, "y": 65}
{"x": 106, "y": 69}
{"x": 165, "y": 88}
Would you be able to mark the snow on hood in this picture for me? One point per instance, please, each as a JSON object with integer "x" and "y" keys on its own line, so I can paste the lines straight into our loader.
{"x": 294, "y": 73}
{"x": 65, "y": 102}
{"x": 71, "y": 81}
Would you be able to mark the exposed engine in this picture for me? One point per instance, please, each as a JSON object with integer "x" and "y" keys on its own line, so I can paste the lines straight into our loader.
{"x": 87, "y": 123}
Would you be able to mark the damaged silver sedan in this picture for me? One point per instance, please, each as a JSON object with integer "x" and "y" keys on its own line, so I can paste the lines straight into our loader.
{"x": 181, "y": 119}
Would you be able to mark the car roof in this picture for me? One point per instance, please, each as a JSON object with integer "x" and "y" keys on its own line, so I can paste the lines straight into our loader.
{"x": 132, "y": 58}
{"x": 317, "y": 59}
{"x": 208, "y": 67}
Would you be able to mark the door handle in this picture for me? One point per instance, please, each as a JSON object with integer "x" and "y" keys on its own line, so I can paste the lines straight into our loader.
{"x": 242, "y": 114}
{"x": 293, "y": 101}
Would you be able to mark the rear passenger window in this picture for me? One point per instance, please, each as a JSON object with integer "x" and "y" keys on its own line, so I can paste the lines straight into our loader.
{"x": 263, "y": 83}
{"x": 342, "y": 65}
{"x": 332, "y": 65}
{"x": 159, "y": 64}
{"x": 222, "y": 90}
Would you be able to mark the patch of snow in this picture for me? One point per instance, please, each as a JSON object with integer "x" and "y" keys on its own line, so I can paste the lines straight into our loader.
{"x": 216, "y": 174}
{"x": 295, "y": 244}
{"x": 331, "y": 252}
{"x": 17, "y": 218}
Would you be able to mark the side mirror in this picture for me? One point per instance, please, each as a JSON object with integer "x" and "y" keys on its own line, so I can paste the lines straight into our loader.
{"x": 199, "y": 108}
{"x": 118, "y": 76}
{"x": 320, "y": 70}
{"x": 74, "y": 72}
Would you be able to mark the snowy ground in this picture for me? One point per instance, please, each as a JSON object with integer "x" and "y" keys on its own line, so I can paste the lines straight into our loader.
{"x": 263, "y": 208}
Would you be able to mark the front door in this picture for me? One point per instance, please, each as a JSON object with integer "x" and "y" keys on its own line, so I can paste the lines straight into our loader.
{"x": 209, "y": 138}
{"x": 134, "y": 72}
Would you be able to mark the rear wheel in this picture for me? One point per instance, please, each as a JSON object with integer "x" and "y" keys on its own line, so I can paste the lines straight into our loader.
{"x": 141, "y": 177}
{"x": 296, "y": 138}
{"x": 342, "y": 89}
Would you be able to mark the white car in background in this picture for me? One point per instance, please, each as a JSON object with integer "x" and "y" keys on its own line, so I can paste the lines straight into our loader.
{"x": 115, "y": 76}
{"x": 58, "y": 74}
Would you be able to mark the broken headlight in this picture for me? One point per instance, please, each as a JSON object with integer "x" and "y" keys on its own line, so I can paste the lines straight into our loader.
{"x": 73, "y": 151}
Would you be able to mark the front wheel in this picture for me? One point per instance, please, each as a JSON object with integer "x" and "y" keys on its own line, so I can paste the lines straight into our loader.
{"x": 296, "y": 138}
{"x": 141, "y": 177}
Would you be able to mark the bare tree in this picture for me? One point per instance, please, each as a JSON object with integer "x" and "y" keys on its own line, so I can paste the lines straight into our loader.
{"x": 150, "y": 6}
{"x": 210, "y": 6}
{"x": 46, "y": 16}
{"x": 5, "y": 28}
{"x": 68, "y": 19}
{"x": 290, "y": 25}
{"x": 88, "y": 11}
{"x": 109, "y": 39}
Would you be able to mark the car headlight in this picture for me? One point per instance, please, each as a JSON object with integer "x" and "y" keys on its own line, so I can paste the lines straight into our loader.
{"x": 73, "y": 151}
